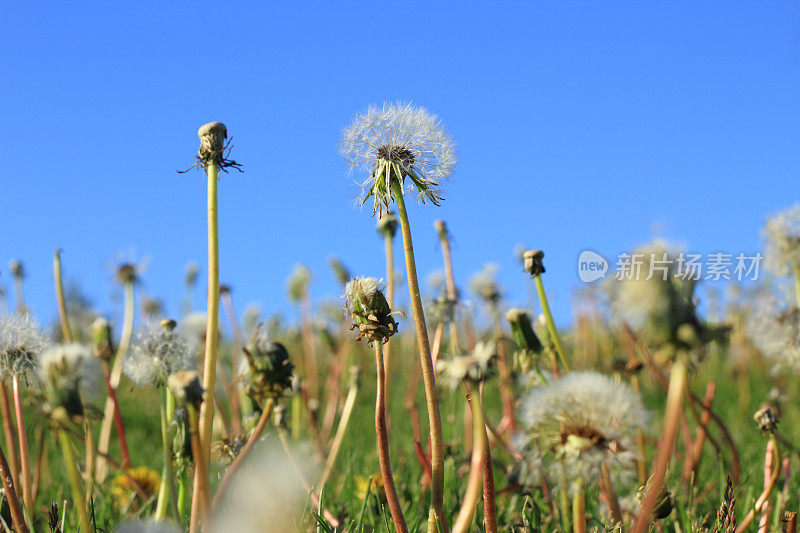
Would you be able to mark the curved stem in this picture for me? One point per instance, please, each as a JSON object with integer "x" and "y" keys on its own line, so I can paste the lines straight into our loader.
{"x": 383, "y": 445}
{"x": 22, "y": 435}
{"x": 551, "y": 325}
{"x": 75, "y": 481}
{"x": 436, "y": 513}
{"x": 269, "y": 406}
{"x": 764, "y": 497}
{"x": 111, "y": 410}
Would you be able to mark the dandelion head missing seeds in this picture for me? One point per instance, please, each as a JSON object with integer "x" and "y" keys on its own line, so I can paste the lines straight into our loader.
{"x": 781, "y": 237}
{"x": 370, "y": 311}
{"x": 271, "y": 369}
{"x": 395, "y": 142}
{"x": 472, "y": 368}
{"x": 159, "y": 351}
{"x": 577, "y": 423}
{"x": 21, "y": 341}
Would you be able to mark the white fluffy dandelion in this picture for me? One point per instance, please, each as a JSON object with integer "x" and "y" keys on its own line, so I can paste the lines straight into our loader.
{"x": 484, "y": 285}
{"x": 474, "y": 367}
{"x": 146, "y": 526}
{"x": 398, "y": 141}
{"x": 22, "y": 339}
{"x": 774, "y": 326}
{"x": 574, "y": 424}
{"x": 157, "y": 353}
{"x": 72, "y": 378}
{"x": 781, "y": 236}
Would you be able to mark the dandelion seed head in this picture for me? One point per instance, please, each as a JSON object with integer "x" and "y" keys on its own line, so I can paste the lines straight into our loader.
{"x": 395, "y": 142}
{"x": 72, "y": 378}
{"x": 271, "y": 368}
{"x": 158, "y": 352}
{"x": 774, "y": 326}
{"x": 146, "y": 526}
{"x": 473, "y": 368}
{"x": 484, "y": 285}
{"x": 781, "y": 237}
{"x": 22, "y": 339}
{"x": 193, "y": 327}
{"x": 576, "y": 423}
{"x": 367, "y": 306}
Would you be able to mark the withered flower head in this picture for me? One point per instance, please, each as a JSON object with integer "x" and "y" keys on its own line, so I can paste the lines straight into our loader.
{"x": 271, "y": 369}
{"x": 369, "y": 309}
{"x": 387, "y": 223}
{"x": 532, "y": 262}
{"x": 102, "y": 343}
{"x": 187, "y": 388}
{"x": 767, "y": 417}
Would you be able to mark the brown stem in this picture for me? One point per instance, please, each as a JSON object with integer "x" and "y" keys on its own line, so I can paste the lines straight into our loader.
{"x": 22, "y": 435}
{"x": 607, "y": 485}
{"x": 764, "y": 497}
{"x": 11, "y": 495}
{"x": 692, "y": 462}
{"x": 664, "y": 450}
{"x": 489, "y": 505}
{"x": 117, "y": 414}
{"x": 251, "y": 442}
{"x": 383, "y": 445}
{"x": 202, "y": 481}
{"x": 8, "y": 430}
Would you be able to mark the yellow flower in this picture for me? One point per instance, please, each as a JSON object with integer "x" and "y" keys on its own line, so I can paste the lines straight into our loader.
{"x": 135, "y": 487}
{"x": 377, "y": 484}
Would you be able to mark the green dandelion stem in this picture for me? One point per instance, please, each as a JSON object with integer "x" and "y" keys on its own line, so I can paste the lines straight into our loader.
{"x": 551, "y": 325}
{"x": 166, "y": 493}
{"x": 62, "y": 307}
{"x": 426, "y": 362}
{"x": 74, "y": 476}
{"x": 579, "y": 509}
{"x": 482, "y": 442}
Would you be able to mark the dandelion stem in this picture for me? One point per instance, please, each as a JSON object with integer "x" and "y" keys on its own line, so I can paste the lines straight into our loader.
{"x": 611, "y": 494}
{"x": 551, "y": 325}
{"x": 78, "y": 500}
{"x": 212, "y": 326}
{"x": 167, "y": 471}
{"x": 664, "y": 450}
{"x": 11, "y": 495}
{"x": 383, "y": 444}
{"x": 489, "y": 507}
{"x": 200, "y": 503}
{"x": 436, "y": 514}
{"x": 233, "y": 391}
{"x": 388, "y": 241}
{"x": 266, "y": 413}
{"x": 91, "y": 452}
{"x": 336, "y": 445}
{"x": 8, "y": 430}
{"x": 579, "y": 509}
{"x": 62, "y": 307}
{"x": 452, "y": 291}
{"x": 763, "y": 499}
{"x": 796, "y": 275}
{"x": 22, "y": 436}
{"x": 111, "y": 412}
{"x": 463, "y": 521}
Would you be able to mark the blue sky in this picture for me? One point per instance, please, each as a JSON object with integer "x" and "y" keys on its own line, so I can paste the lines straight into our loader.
{"x": 578, "y": 124}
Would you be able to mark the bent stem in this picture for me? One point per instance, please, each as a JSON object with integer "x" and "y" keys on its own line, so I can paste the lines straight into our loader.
{"x": 551, "y": 325}
{"x": 266, "y": 413}
{"x": 763, "y": 499}
{"x": 111, "y": 410}
{"x": 383, "y": 445}
{"x": 664, "y": 450}
{"x": 78, "y": 500}
{"x": 22, "y": 436}
{"x": 436, "y": 513}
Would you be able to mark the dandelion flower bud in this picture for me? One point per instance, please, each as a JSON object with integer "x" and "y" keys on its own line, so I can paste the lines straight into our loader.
{"x": 532, "y": 262}
{"x": 369, "y": 309}
{"x": 102, "y": 346}
{"x": 212, "y": 139}
{"x": 271, "y": 369}
{"x": 187, "y": 388}
{"x": 72, "y": 379}
{"x": 522, "y": 330}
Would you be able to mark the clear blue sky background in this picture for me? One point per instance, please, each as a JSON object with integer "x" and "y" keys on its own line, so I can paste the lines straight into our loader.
{"x": 579, "y": 125}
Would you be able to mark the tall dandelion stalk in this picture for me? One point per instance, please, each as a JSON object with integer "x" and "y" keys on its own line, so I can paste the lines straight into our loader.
{"x": 534, "y": 267}
{"x": 392, "y": 144}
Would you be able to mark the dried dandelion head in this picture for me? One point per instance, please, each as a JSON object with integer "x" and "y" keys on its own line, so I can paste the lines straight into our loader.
{"x": 395, "y": 142}
{"x": 484, "y": 285}
{"x": 21, "y": 342}
{"x": 387, "y": 223}
{"x": 72, "y": 381}
{"x": 368, "y": 308}
{"x": 187, "y": 388}
{"x": 159, "y": 351}
{"x": 16, "y": 269}
{"x": 781, "y": 237}
{"x": 271, "y": 369}
{"x": 473, "y": 368}
{"x": 214, "y": 148}
{"x": 102, "y": 343}
{"x": 575, "y": 424}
